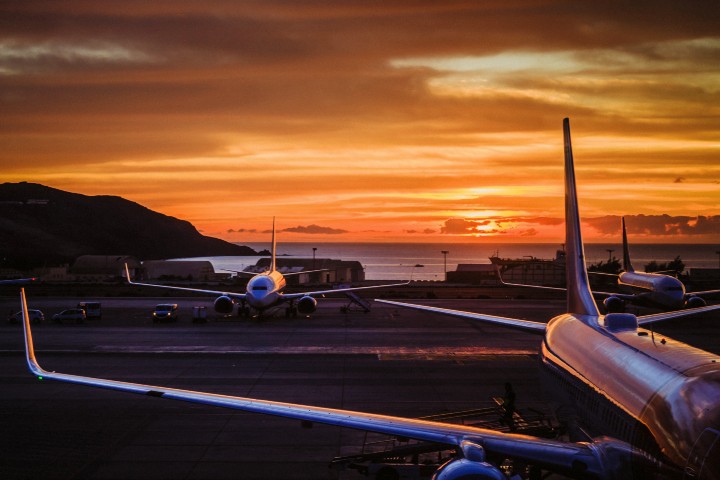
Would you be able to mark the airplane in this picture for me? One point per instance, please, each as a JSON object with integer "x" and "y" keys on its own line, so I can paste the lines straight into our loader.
{"x": 654, "y": 290}
{"x": 265, "y": 291}
{"x": 651, "y": 289}
{"x": 660, "y": 400}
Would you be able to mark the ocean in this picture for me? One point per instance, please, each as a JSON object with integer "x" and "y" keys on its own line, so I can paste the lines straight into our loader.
{"x": 397, "y": 261}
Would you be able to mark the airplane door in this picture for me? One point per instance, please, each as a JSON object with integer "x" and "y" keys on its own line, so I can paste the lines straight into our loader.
{"x": 704, "y": 460}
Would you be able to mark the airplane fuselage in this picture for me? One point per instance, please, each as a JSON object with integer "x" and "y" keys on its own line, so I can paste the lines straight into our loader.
{"x": 656, "y": 393}
{"x": 661, "y": 290}
{"x": 265, "y": 290}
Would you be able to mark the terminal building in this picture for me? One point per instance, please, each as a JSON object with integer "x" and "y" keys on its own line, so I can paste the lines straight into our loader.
{"x": 526, "y": 270}
{"x": 309, "y": 270}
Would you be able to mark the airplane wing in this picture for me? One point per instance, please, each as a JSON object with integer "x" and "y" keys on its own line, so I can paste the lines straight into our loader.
{"x": 563, "y": 289}
{"x": 705, "y": 293}
{"x": 318, "y": 293}
{"x": 661, "y": 317}
{"x": 186, "y": 289}
{"x": 562, "y": 457}
{"x": 526, "y": 325}
{"x": 17, "y": 281}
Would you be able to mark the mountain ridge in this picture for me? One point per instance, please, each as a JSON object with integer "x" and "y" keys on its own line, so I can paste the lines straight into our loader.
{"x": 44, "y": 225}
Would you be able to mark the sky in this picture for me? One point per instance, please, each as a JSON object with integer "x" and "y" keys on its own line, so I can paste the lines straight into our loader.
{"x": 417, "y": 121}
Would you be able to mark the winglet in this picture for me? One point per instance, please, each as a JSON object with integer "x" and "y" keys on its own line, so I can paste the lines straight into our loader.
{"x": 29, "y": 347}
{"x": 627, "y": 266}
{"x": 272, "y": 253}
{"x": 127, "y": 274}
{"x": 579, "y": 297}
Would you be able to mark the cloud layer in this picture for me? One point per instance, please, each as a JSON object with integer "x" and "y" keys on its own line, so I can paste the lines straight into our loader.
{"x": 409, "y": 117}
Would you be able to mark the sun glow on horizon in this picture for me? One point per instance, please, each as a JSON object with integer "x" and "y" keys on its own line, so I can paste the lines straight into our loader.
{"x": 408, "y": 124}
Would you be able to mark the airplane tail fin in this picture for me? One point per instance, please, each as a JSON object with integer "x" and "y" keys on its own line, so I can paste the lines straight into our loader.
{"x": 627, "y": 266}
{"x": 579, "y": 297}
{"x": 273, "y": 249}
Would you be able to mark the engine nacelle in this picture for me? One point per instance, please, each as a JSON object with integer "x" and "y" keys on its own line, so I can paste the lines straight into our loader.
{"x": 614, "y": 305}
{"x": 465, "y": 469}
{"x": 306, "y": 305}
{"x": 694, "y": 302}
{"x": 224, "y": 305}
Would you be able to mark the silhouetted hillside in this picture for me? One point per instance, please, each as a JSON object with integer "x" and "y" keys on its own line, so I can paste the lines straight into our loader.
{"x": 39, "y": 225}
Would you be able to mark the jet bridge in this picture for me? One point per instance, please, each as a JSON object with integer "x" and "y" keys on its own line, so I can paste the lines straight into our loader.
{"x": 382, "y": 456}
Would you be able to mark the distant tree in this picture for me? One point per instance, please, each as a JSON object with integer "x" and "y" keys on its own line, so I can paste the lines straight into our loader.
{"x": 611, "y": 266}
{"x": 676, "y": 265}
{"x": 652, "y": 267}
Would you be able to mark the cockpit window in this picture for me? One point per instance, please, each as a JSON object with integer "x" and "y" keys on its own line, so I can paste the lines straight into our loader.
{"x": 259, "y": 288}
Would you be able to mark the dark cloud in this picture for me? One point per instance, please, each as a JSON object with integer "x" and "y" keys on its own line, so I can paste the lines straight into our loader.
{"x": 521, "y": 226}
{"x": 657, "y": 225}
{"x": 458, "y": 226}
{"x": 315, "y": 230}
{"x": 242, "y": 230}
{"x": 102, "y": 72}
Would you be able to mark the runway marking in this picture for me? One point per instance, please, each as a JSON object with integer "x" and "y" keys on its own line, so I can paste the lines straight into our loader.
{"x": 383, "y": 353}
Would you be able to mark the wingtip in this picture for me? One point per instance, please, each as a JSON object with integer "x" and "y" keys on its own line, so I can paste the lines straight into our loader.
{"x": 29, "y": 346}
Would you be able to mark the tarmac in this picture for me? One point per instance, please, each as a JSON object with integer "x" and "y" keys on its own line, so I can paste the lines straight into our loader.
{"x": 390, "y": 361}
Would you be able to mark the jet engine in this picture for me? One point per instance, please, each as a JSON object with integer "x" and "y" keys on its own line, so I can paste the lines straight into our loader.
{"x": 462, "y": 468}
{"x": 306, "y": 305}
{"x": 224, "y": 305}
{"x": 614, "y": 304}
{"x": 472, "y": 465}
{"x": 694, "y": 302}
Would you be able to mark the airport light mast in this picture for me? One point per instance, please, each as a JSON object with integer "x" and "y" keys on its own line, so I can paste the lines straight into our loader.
{"x": 445, "y": 253}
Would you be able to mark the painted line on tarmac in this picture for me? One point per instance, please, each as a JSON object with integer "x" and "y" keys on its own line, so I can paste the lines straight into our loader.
{"x": 383, "y": 353}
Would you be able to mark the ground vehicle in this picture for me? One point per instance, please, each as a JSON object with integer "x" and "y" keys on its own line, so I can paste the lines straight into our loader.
{"x": 72, "y": 314}
{"x": 165, "y": 312}
{"x": 92, "y": 309}
{"x": 36, "y": 316}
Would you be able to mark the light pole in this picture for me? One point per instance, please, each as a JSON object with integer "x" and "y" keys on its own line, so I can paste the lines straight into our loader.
{"x": 609, "y": 250}
{"x": 445, "y": 253}
{"x": 314, "y": 250}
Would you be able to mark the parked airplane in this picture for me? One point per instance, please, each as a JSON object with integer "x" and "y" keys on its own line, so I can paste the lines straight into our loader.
{"x": 265, "y": 291}
{"x": 654, "y": 290}
{"x": 659, "y": 399}
{"x": 651, "y": 289}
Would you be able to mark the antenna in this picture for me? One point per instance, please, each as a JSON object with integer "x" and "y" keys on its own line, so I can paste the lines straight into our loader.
{"x": 272, "y": 251}
{"x": 579, "y": 298}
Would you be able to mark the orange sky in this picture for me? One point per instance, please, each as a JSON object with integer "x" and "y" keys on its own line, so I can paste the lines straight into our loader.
{"x": 380, "y": 121}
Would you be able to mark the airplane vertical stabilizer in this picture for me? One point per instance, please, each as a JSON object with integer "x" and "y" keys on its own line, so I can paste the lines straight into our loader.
{"x": 579, "y": 298}
{"x": 272, "y": 252}
{"x": 627, "y": 266}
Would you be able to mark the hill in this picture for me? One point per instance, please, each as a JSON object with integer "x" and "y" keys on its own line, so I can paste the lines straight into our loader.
{"x": 43, "y": 225}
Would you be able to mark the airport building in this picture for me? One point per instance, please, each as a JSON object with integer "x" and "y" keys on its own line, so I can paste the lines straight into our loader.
{"x": 192, "y": 270}
{"x": 97, "y": 268}
{"x": 319, "y": 270}
{"x": 531, "y": 270}
{"x": 474, "y": 274}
